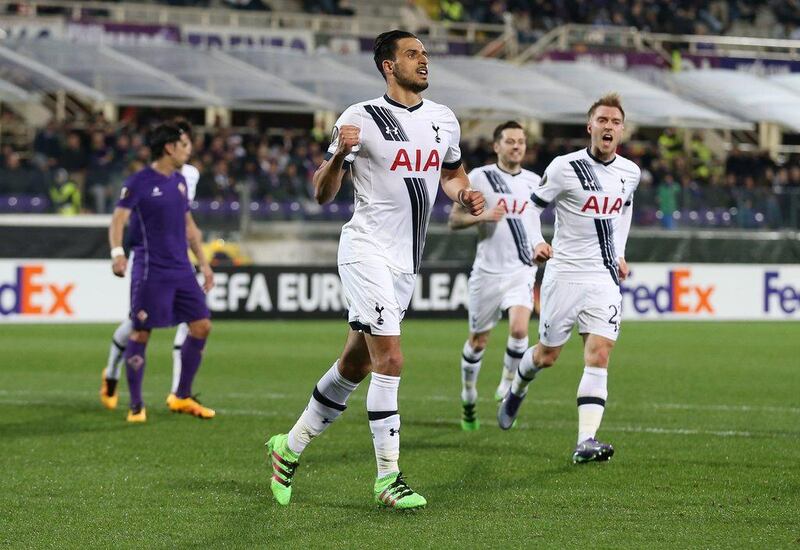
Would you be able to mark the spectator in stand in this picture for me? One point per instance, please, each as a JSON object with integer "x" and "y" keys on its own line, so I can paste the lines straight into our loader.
{"x": 99, "y": 173}
{"x": 65, "y": 194}
{"x": 667, "y": 196}
{"x": 47, "y": 147}
{"x": 74, "y": 158}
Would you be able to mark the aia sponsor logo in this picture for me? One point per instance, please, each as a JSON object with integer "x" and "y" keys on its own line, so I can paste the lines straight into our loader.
{"x": 416, "y": 160}
{"x": 512, "y": 206}
{"x": 602, "y": 205}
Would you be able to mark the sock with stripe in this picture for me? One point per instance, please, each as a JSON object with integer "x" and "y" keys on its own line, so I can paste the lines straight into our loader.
{"x": 526, "y": 372}
{"x": 592, "y": 395}
{"x": 328, "y": 401}
{"x": 134, "y": 369}
{"x": 117, "y": 350}
{"x": 470, "y": 368}
{"x": 384, "y": 421}
{"x": 515, "y": 349}
{"x": 177, "y": 344}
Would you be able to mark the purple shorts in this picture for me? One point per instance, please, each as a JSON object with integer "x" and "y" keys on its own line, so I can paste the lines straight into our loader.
{"x": 167, "y": 303}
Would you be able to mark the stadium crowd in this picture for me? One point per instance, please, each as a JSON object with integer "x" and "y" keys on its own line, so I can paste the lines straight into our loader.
{"x": 81, "y": 169}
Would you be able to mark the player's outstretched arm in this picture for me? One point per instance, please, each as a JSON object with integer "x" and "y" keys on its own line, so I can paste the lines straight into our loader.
{"x": 328, "y": 177}
{"x": 195, "y": 238}
{"x": 118, "y": 221}
{"x": 455, "y": 184}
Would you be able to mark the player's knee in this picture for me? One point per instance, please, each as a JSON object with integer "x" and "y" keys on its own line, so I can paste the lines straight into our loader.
{"x": 598, "y": 357}
{"x": 390, "y": 364}
{"x": 140, "y": 336}
{"x": 200, "y": 329}
{"x": 519, "y": 332}
{"x": 544, "y": 356}
{"x": 478, "y": 342}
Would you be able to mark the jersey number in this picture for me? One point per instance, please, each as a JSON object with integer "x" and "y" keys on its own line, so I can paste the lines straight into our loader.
{"x": 614, "y": 319}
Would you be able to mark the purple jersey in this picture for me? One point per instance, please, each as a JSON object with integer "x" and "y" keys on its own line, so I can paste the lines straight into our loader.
{"x": 158, "y": 205}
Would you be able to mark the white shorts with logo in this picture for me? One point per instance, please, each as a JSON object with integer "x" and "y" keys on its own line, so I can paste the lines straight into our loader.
{"x": 596, "y": 308}
{"x": 490, "y": 295}
{"x": 377, "y": 296}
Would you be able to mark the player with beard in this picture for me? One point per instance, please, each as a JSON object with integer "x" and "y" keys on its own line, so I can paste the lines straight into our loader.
{"x": 398, "y": 148}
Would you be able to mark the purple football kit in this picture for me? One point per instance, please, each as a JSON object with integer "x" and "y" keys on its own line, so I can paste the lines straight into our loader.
{"x": 164, "y": 289}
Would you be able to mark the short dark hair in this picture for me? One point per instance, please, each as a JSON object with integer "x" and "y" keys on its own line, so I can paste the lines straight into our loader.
{"x": 511, "y": 124}
{"x": 386, "y": 47}
{"x": 608, "y": 100}
{"x": 184, "y": 125}
{"x": 169, "y": 132}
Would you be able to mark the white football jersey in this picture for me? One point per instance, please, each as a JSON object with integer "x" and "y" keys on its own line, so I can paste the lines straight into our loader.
{"x": 395, "y": 170}
{"x": 192, "y": 176}
{"x": 506, "y": 246}
{"x": 589, "y": 195}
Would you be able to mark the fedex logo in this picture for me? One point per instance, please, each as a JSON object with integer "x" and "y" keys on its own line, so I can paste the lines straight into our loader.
{"x": 784, "y": 297}
{"x": 678, "y": 295}
{"x": 30, "y": 295}
{"x": 419, "y": 162}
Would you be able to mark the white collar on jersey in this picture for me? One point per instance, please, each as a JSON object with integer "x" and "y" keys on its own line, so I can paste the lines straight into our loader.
{"x": 506, "y": 171}
{"x": 391, "y": 101}
{"x": 597, "y": 160}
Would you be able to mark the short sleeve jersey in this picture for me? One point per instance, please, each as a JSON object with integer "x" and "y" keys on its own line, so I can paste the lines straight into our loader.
{"x": 505, "y": 246}
{"x": 158, "y": 205}
{"x": 192, "y": 176}
{"x": 589, "y": 196}
{"x": 396, "y": 170}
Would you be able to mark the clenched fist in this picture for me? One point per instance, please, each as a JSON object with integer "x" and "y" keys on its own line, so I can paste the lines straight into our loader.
{"x": 472, "y": 200}
{"x": 542, "y": 252}
{"x": 349, "y": 136}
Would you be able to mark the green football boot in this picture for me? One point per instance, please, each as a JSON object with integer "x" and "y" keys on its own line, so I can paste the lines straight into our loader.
{"x": 284, "y": 463}
{"x": 469, "y": 420}
{"x": 392, "y": 491}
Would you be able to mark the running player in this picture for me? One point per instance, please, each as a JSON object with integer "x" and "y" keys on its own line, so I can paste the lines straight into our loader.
{"x": 503, "y": 273}
{"x": 164, "y": 290}
{"x": 593, "y": 193}
{"x": 397, "y": 148}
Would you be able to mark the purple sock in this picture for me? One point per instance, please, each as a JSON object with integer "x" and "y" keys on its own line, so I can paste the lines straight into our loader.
{"x": 134, "y": 368}
{"x": 191, "y": 355}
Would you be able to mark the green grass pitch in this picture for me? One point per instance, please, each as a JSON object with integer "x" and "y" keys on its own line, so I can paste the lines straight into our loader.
{"x": 704, "y": 418}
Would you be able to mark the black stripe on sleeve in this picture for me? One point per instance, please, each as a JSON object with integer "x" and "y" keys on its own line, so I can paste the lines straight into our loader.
{"x": 539, "y": 201}
{"x": 452, "y": 165}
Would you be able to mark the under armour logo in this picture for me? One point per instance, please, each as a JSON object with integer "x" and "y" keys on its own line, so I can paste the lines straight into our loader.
{"x": 436, "y": 129}
{"x": 379, "y": 309}
{"x": 393, "y": 432}
{"x": 393, "y": 131}
{"x": 327, "y": 421}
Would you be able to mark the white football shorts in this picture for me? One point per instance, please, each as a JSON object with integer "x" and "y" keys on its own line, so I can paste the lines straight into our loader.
{"x": 377, "y": 296}
{"x": 490, "y": 295}
{"x": 596, "y": 308}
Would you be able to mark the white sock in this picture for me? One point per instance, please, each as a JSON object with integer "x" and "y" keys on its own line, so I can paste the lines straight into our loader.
{"x": 384, "y": 421}
{"x": 470, "y": 368}
{"x": 592, "y": 395}
{"x": 526, "y": 372}
{"x": 328, "y": 401}
{"x": 515, "y": 348}
{"x": 177, "y": 344}
{"x": 117, "y": 349}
